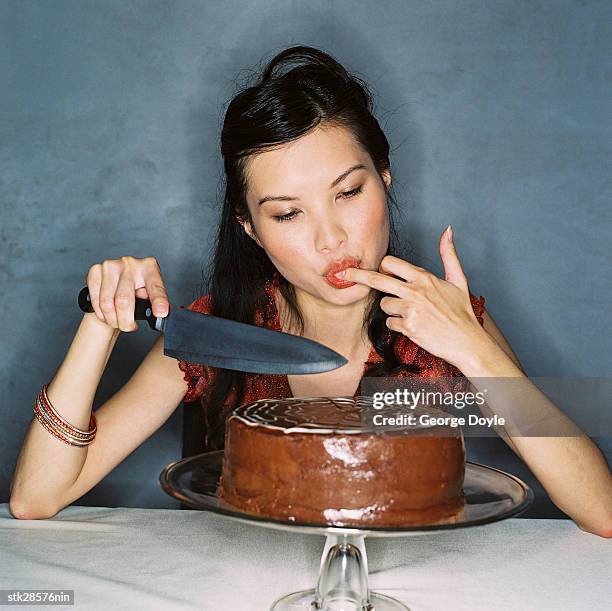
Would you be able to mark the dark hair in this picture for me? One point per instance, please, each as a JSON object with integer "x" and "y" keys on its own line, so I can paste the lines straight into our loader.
{"x": 277, "y": 109}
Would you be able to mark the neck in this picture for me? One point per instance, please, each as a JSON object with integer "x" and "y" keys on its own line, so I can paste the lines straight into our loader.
{"x": 340, "y": 327}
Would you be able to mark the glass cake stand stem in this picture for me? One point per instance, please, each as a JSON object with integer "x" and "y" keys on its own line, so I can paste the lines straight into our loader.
{"x": 342, "y": 583}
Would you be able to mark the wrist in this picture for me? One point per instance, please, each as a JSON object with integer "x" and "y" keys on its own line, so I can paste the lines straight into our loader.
{"x": 485, "y": 358}
{"x": 93, "y": 325}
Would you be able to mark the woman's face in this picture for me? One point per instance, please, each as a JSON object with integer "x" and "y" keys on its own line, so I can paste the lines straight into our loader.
{"x": 313, "y": 217}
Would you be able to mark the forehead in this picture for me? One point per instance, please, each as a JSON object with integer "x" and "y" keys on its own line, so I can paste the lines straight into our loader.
{"x": 316, "y": 158}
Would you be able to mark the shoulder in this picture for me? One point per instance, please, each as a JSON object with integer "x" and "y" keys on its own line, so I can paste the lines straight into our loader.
{"x": 197, "y": 376}
{"x": 264, "y": 292}
{"x": 202, "y": 304}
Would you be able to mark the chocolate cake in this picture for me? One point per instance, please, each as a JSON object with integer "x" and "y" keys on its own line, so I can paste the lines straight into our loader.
{"x": 321, "y": 461}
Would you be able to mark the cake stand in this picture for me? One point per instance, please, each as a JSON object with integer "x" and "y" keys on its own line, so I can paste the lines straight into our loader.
{"x": 490, "y": 495}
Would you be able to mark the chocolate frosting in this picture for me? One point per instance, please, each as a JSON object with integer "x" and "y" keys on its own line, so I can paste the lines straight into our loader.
{"x": 326, "y": 415}
{"x": 312, "y": 460}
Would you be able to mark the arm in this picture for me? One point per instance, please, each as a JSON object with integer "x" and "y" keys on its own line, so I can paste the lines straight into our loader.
{"x": 488, "y": 324}
{"x": 571, "y": 468}
{"x": 491, "y": 328}
{"x": 50, "y": 475}
{"x": 130, "y": 417}
{"x": 45, "y": 465}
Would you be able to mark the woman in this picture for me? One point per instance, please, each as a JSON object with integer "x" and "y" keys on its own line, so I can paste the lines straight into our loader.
{"x": 306, "y": 245}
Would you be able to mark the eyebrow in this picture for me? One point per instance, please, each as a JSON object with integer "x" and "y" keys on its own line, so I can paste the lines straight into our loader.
{"x": 287, "y": 198}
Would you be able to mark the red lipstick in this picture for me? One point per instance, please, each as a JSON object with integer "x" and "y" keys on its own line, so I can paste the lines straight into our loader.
{"x": 338, "y": 266}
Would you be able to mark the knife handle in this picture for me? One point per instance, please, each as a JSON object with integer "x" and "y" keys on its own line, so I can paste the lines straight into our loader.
{"x": 142, "y": 309}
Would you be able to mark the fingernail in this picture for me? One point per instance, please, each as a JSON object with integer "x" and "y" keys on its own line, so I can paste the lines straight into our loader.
{"x": 449, "y": 233}
{"x": 341, "y": 274}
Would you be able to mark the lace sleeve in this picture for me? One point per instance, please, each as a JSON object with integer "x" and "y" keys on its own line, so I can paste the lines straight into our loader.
{"x": 197, "y": 376}
{"x": 478, "y": 306}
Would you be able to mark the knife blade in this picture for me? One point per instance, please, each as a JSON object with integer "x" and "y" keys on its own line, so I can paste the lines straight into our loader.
{"x": 221, "y": 342}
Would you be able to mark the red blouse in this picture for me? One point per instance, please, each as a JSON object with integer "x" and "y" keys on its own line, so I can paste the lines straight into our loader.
{"x": 268, "y": 386}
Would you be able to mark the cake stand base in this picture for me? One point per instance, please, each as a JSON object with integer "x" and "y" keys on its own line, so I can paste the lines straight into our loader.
{"x": 303, "y": 600}
{"x": 343, "y": 582}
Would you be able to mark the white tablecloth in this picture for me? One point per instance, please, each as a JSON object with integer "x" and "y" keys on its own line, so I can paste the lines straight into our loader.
{"x": 164, "y": 559}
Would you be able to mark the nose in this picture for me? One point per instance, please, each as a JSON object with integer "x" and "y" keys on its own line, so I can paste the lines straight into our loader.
{"x": 330, "y": 235}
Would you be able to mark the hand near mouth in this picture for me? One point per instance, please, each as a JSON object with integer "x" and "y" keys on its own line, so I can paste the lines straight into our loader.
{"x": 436, "y": 314}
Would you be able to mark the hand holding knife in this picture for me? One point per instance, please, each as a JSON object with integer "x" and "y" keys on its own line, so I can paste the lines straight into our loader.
{"x": 220, "y": 342}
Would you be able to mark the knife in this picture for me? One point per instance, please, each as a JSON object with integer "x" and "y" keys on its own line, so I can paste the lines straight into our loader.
{"x": 221, "y": 342}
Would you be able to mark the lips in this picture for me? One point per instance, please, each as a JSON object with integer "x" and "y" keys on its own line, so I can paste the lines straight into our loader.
{"x": 338, "y": 266}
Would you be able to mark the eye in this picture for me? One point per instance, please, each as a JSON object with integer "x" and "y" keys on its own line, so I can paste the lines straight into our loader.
{"x": 352, "y": 193}
{"x": 285, "y": 217}
{"x": 345, "y": 194}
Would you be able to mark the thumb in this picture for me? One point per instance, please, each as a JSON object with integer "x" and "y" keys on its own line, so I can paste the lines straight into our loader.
{"x": 453, "y": 272}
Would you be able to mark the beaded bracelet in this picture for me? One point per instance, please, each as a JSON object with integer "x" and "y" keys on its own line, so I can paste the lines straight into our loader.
{"x": 58, "y": 426}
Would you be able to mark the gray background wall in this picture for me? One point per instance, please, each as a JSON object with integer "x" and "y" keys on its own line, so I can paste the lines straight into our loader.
{"x": 498, "y": 115}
